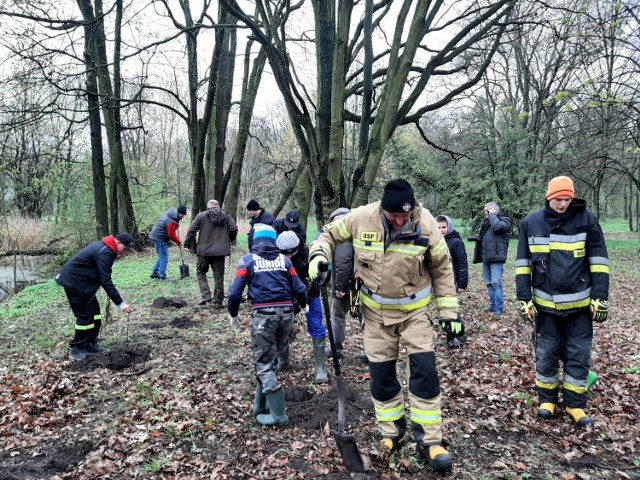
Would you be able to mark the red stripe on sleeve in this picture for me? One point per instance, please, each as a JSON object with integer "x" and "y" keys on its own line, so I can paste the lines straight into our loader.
{"x": 242, "y": 272}
{"x": 292, "y": 271}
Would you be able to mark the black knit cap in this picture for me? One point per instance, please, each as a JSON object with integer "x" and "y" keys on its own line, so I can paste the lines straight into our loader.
{"x": 398, "y": 197}
{"x": 182, "y": 210}
{"x": 253, "y": 205}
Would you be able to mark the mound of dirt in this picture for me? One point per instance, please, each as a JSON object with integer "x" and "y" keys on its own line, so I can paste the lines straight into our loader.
{"x": 119, "y": 358}
{"x": 183, "y": 322}
{"x": 57, "y": 458}
{"x": 162, "y": 302}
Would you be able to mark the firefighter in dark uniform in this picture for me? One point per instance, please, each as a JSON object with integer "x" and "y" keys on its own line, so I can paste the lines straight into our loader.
{"x": 562, "y": 281}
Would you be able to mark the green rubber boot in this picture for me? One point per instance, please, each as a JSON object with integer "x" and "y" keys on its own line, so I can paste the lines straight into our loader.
{"x": 321, "y": 368}
{"x": 260, "y": 402}
{"x": 277, "y": 418}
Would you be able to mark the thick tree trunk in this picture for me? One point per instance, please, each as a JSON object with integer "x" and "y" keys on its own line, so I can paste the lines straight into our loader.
{"x": 250, "y": 84}
{"x": 95, "y": 127}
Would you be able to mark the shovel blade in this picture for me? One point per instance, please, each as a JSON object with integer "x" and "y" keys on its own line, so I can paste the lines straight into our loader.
{"x": 184, "y": 271}
{"x": 349, "y": 452}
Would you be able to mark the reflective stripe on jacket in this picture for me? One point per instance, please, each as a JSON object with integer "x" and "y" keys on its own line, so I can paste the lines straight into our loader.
{"x": 402, "y": 275}
{"x": 562, "y": 261}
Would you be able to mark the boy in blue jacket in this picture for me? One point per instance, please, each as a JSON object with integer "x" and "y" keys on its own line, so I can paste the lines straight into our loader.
{"x": 273, "y": 283}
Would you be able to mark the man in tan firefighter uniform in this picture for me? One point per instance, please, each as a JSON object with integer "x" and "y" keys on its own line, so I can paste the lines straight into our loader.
{"x": 403, "y": 262}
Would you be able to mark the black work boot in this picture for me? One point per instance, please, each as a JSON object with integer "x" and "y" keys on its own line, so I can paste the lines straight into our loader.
{"x": 436, "y": 456}
{"x": 579, "y": 417}
{"x": 76, "y": 354}
{"x": 546, "y": 411}
{"x": 94, "y": 348}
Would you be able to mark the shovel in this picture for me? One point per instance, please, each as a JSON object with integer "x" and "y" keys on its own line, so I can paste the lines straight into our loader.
{"x": 184, "y": 269}
{"x": 346, "y": 443}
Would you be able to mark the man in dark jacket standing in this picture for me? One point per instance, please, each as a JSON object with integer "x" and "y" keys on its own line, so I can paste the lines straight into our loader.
{"x": 258, "y": 215}
{"x": 164, "y": 231}
{"x": 217, "y": 231}
{"x": 81, "y": 277}
{"x": 562, "y": 282}
{"x": 292, "y": 223}
{"x": 492, "y": 245}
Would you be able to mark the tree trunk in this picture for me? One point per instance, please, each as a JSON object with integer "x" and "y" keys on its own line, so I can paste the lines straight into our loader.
{"x": 95, "y": 127}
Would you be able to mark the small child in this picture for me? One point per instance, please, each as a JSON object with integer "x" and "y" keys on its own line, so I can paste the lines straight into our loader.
{"x": 460, "y": 269}
{"x": 273, "y": 283}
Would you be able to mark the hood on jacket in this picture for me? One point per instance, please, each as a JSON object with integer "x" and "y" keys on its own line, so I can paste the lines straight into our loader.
{"x": 217, "y": 216}
{"x": 173, "y": 214}
{"x": 266, "y": 249}
{"x": 450, "y": 227}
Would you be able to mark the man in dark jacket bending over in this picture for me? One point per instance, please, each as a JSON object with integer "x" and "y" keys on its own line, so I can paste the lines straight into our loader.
{"x": 81, "y": 277}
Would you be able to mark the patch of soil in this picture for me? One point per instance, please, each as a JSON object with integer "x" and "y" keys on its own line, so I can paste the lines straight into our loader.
{"x": 57, "y": 458}
{"x": 183, "y": 322}
{"x": 119, "y": 358}
{"x": 154, "y": 325}
{"x": 162, "y": 302}
{"x": 312, "y": 411}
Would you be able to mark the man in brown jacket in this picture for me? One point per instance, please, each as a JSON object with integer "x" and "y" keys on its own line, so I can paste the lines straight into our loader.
{"x": 217, "y": 231}
{"x": 403, "y": 262}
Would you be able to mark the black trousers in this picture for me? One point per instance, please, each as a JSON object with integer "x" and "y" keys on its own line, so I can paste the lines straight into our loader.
{"x": 88, "y": 318}
{"x": 567, "y": 339}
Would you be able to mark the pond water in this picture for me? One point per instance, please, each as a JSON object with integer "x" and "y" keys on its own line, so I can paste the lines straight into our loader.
{"x": 28, "y": 270}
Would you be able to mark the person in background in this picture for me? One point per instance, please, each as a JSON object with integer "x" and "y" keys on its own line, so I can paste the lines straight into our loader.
{"x": 492, "y": 246}
{"x": 460, "y": 271}
{"x": 562, "y": 282}
{"x": 81, "y": 277}
{"x": 299, "y": 258}
{"x": 217, "y": 231}
{"x": 342, "y": 276}
{"x": 257, "y": 215}
{"x": 291, "y": 222}
{"x": 273, "y": 285}
{"x": 164, "y": 231}
{"x": 403, "y": 263}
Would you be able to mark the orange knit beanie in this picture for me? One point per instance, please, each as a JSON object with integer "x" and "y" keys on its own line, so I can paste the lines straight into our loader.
{"x": 560, "y": 187}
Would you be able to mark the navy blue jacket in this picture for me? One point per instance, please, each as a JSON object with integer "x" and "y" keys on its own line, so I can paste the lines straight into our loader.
{"x": 272, "y": 280}
{"x": 458, "y": 259}
{"x": 90, "y": 269}
{"x": 562, "y": 260}
{"x": 265, "y": 218}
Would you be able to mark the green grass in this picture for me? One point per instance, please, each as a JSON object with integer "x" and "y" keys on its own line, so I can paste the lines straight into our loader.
{"x": 619, "y": 225}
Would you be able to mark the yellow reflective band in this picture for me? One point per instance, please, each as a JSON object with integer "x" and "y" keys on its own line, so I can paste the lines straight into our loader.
{"x": 342, "y": 229}
{"x": 426, "y": 417}
{"x": 566, "y": 246}
{"x": 539, "y": 248}
{"x": 574, "y": 388}
{"x": 85, "y": 327}
{"x": 370, "y": 246}
{"x": 369, "y": 302}
{"x": 523, "y": 270}
{"x": 407, "y": 248}
{"x": 438, "y": 249}
{"x": 97, "y": 317}
{"x": 599, "y": 269}
{"x": 547, "y": 386}
{"x": 562, "y": 306}
{"x": 447, "y": 302}
{"x": 389, "y": 414}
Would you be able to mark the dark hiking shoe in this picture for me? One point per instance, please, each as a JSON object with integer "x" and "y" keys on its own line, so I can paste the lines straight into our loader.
{"x": 436, "y": 456}
{"x": 204, "y": 302}
{"x": 76, "y": 354}
{"x": 218, "y": 306}
{"x": 546, "y": 410}
{"x": 154, "y": 275}
{"x": 363, "y": 358}
{"x": 94, "y": 348}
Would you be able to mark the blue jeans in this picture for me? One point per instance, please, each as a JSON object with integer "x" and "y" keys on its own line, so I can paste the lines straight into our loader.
{"x": 160, "y": 267}
{"x": 492, "y": 274}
